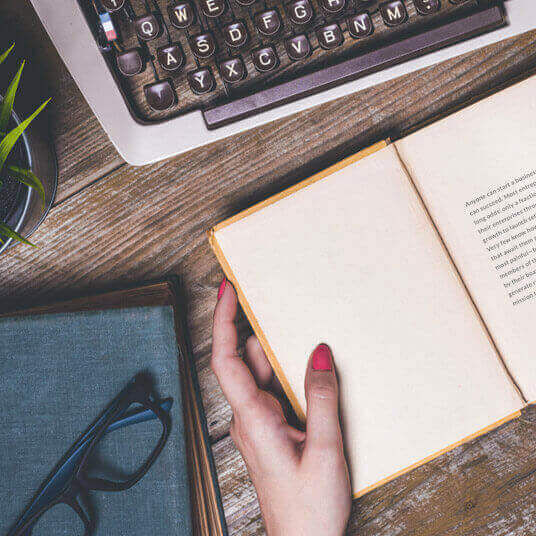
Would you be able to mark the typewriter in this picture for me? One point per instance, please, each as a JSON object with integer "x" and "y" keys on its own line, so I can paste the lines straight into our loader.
{"x": 164, "y": 76}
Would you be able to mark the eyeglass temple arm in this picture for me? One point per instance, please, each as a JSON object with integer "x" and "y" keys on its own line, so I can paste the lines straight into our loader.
{"x": 65, "y": 471}
{"x": 141, "y": 415}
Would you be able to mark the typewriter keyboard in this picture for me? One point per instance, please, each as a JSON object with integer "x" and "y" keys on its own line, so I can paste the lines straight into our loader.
{"x": 233, "y": 58}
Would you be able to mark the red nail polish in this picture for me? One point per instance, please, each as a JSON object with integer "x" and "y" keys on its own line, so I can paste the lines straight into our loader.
{"x": 221, "y": 290}
{"x": 322, "y": 357}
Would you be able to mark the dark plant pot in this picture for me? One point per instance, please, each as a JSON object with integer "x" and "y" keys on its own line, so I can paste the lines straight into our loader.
{"x": 21, "y": 207}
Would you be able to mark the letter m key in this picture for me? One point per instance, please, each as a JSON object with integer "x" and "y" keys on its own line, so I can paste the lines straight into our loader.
{"x": 394, "y": 13}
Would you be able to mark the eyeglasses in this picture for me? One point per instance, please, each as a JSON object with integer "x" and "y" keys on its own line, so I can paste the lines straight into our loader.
{"x": 72, "y": 478}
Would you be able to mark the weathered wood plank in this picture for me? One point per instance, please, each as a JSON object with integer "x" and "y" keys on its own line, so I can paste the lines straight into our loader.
{"x": 84, "y": 151}
{"x": 483, "y": 488}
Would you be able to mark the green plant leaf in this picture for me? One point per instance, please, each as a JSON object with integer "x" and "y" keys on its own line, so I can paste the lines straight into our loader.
{"x": 6, "y": 106}
{"x": 11, "y": 138}
{"x": 8, "y": 232}
{"x": 29, "y": 178}
{"x": 6, "y": 53}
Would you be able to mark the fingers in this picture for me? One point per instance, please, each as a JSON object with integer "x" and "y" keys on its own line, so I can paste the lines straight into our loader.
{"x": 234, "y": 377}
{"x": 258, "y": 363}
{"x": 322, "y": 395}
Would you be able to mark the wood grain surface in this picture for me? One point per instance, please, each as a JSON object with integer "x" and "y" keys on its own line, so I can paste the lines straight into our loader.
{"x": 114, "y": 224}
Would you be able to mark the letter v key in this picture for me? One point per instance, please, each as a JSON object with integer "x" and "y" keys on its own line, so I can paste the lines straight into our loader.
{"x": 298, "y": 47}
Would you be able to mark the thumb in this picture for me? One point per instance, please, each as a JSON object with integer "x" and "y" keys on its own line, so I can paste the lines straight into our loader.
{"x": 322, "y": 395}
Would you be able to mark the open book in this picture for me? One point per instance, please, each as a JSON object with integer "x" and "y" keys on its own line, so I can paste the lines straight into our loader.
{"x": 416, "y": 263}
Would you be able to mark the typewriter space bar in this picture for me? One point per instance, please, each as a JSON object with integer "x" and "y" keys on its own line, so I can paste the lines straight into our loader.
{"x": 447, "y": 34}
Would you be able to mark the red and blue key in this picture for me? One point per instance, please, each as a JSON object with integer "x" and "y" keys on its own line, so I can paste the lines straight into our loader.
{"x": 108, "y": 26}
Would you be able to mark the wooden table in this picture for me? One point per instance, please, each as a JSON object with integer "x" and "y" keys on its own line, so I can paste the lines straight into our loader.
{"x": 113, "y": 224}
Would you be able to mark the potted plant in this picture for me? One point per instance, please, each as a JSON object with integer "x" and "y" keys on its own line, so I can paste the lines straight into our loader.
{"x": 24, "y": 198}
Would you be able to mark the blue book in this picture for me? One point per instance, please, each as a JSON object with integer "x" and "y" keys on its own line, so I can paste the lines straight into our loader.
{"x": 60, "y": 367}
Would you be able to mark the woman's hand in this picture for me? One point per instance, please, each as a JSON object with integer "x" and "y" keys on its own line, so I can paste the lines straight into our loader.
{"x": 301, "y": 478}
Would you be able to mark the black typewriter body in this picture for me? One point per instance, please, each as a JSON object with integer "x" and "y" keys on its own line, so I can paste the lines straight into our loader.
{"x": 233, "y": 58}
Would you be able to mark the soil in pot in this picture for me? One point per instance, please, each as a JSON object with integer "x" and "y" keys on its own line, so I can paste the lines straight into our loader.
{"x": 11, "y": 195}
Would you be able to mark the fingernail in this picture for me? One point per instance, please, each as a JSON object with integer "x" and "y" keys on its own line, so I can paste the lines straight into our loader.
{"x": 322, "y": 357}
{"x": 221, "y": 290}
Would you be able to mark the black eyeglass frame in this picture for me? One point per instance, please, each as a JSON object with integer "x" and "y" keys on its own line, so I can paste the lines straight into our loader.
{"x": 137, "y": 392}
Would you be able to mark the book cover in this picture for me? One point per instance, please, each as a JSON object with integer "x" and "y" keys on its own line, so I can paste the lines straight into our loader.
{"x": 57, "y": 373}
